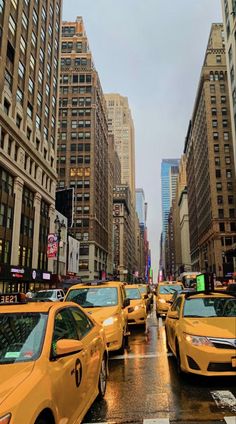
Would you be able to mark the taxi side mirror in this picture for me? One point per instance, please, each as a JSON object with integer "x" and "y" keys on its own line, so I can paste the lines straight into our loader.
{"x": 126, "y": 302}
{"x": 173, "y": 314}
{"x": 65, "y": 347}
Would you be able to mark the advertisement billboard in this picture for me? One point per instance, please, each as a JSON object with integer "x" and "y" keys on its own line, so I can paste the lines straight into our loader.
{"x": 52, "y": 245}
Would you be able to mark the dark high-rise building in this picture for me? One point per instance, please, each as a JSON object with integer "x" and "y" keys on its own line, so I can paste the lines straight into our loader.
{"x": 83, "y": 148}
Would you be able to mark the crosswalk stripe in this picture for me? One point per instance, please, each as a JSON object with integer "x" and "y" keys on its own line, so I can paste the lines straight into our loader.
{"x": 224, "y": 399}
{"x": 230, "y": 420}
{"x": 157, "y": 421}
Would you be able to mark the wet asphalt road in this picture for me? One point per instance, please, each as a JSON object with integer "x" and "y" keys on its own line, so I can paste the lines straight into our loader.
{"x": 144, "y": 387}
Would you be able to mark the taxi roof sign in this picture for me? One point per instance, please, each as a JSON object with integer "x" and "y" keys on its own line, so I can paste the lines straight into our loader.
{"x": 204, "y": 282}
{"x": 12, "y": 298}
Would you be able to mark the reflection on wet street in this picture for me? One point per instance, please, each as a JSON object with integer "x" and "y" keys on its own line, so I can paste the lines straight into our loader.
{"x": 144, "y": 384}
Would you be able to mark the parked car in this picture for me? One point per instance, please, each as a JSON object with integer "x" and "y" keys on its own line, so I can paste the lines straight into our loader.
{"x": 54, "y": 295}
{"x": 137, "y": 313}
{"x": 164, "y": 292}
{"x": 53, "y": 360}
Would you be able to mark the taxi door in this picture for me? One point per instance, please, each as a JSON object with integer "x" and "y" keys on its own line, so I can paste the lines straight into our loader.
{"x": 68, "y": 373}
{"x": 89, "y": 334}
{"x": 173, "y": 323}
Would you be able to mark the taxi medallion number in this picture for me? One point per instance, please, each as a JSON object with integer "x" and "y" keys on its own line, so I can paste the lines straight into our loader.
{"x": 9, "y": 298}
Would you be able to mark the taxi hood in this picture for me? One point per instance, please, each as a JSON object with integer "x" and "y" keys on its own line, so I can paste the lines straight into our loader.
{"x": 134, "y": 302}
{"x": 211, "y": 327}
{"x": 100, "y": 314}
{"x": 12, "y": 376}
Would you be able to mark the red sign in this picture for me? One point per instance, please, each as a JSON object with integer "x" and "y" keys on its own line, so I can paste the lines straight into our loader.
{"x": 52, "y": 245}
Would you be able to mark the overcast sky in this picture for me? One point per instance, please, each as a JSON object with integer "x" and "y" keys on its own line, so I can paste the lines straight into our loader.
{"x": 150, "y": 51}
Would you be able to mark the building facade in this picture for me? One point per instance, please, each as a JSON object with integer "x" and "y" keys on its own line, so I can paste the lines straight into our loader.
{"x": 83, "y": 148}
{"x": 210, "y": 165}
{"x": 29, "y": 58}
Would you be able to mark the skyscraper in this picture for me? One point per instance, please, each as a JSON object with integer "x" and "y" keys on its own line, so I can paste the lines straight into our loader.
{"x": 210, "y": 165}
{"x": 140, "y": 206}
{"x": 29, "y": 54}
{"x": 120, "y": 124}
{"x": 83, "y": 148}
{"x": 169, "y": 176}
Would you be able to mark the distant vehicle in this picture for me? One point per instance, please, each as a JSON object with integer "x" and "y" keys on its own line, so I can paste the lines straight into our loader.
{"x": 188, "y": 279}
{"x": 137, "y": 314}
{"x": 54, "y": 295}
{"x": 164, "y": 293}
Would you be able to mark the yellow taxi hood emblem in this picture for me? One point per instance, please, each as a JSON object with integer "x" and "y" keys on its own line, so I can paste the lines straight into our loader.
{"x": 100, "y": 314}
{"x": 211, "y": 327}
{"x": 12, "y": 375}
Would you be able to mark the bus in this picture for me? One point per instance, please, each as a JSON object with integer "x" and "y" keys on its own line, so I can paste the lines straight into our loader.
{"x": 188, "y": 278}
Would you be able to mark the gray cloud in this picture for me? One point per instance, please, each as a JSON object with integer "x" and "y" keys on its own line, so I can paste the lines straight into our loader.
{"x": 152, "y": 52}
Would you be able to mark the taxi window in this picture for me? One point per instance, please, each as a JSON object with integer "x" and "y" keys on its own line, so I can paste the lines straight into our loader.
{"x": 21, "y": 336}
{"x": 210, "y": 307}
{"x": 133, "y": 293}
{"x": 177, "y": 305}
{"x": 169, "y": 289}
{"x": 94, "y": 297}
{"x": 82, "y": 322}
{"x": 64, "y": 327}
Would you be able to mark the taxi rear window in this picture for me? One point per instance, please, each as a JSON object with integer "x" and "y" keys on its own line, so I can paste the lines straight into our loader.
{"x": 21, "y": 336}
{"x": 133, "y": 293}
{"x": 94, "y": 297}
{"x": 170, "y": 289}
{"x": 210, "y": 307}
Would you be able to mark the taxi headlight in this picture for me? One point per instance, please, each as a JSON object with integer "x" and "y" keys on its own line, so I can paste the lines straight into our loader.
{"x": 108, "y": 321}
{"x": 5, "y": 419}
{"x": 197, "y": 340}
{"x": 162, "y": 300}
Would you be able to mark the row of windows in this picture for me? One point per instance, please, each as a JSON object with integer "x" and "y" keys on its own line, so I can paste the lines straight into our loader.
{"x": 222, "y": 99}
{"x": 214, "y": 111}
{"x": 75, "y": 112}
{"x": 218, "y": 161}
{"x": 76, "y": 124}
{"x": 76, "y": 136}
{"x": 213, "y": 88}
{"x": 221, "y": 214}
{"x": 79, "y": 89}
{"x": 229, "y": 186}
{"x": 215, "y": 76}
{"x": 224, "y": 123}
{"x": 217, "y": 148}
{"x": 232, "y": 226}
{"x": 75, "y": 101}
{"x": 220, "y": 200}
{"x": 76, "y": 78}
{"x": 80, "y": 159}
{"x": 82, "y": 61}
{"x": 80, "y": 147}
{"x": 225, "y": 135}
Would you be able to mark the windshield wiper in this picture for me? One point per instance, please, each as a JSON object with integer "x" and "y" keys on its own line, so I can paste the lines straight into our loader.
{"x": 194, "y": 316}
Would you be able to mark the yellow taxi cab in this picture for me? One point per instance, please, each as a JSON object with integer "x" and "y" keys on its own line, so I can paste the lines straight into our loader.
{"x": 200, "y": 332}
{"x": 137, "y": 313}
{"x": 164, "y": 293}
{"x": 106, "y": 301}
{"x": 53, "y": 362}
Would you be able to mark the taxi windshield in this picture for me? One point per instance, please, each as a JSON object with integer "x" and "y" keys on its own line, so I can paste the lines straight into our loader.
{"x": 133, "y": 293}
{"x": 94, "y": 297}
{"x": 21, "y": 336}
{"x": 170, "y": 289}
{"x": 143, "y": 289}
{"x": 210, "y": 307}
{"x": 44, "y": 294}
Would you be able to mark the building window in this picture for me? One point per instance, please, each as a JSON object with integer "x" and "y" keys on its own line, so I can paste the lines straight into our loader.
{"x": 215, "y": 135}
{"x": 227, "y": 160}
{"x": 221, "y": 213}
{"x": 216, "y": 148}
{"x": 222, "y": 226}
{"x": 214, "y": 123}
{"x": 226, "y": 148}
{"x": 230, "y": 200}
{"x": 223, "y": 99}
{"x": 12, "y": 25}
{"x": 213, "y": 111}
{"x": 213, "y": 100}
{"x": 231, "y": 213}
{"x": 229, "y": 186}
{"x": 219, "y": 200}
{"x": 218, "y": 187}
{"x": 225, "y": 123}
{"x": 21, "y": 70}
{"x": 218, "y": 173}
{"x": 217, "y": 161}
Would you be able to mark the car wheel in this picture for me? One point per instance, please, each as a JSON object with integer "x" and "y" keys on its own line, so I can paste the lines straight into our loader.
{"x": 123, "y": 345}
{"x": 178, "y": 360}
{"x": 102, "y": 382}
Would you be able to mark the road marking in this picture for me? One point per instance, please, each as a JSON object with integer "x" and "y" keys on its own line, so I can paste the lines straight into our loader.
{"x": 224, "y": 399}
{"x": 157, "y": 421}
{"x": 134, "y": 356}
{"x": 230, "y": 420}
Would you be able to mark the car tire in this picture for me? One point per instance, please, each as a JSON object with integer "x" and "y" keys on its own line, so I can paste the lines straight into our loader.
{"x": 102, "y": 382}
{"x": 178, "y": 360}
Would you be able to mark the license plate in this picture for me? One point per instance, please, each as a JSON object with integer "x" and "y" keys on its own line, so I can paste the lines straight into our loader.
{"x": 234, "y": 362}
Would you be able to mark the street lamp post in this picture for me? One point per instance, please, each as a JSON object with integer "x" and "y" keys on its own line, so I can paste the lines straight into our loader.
{"x": 59, "y": 226}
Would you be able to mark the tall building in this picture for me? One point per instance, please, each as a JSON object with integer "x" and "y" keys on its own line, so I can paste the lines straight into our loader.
{"x": 169, "y": 175}
{"x": 229, "y": 18}
{"x": 140, "y": 206}
{"x": 120, "y": 124}
{"x": 29, "y": 54}
{"x": 83, "y": 149}
{"x": 210, "y": 165}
